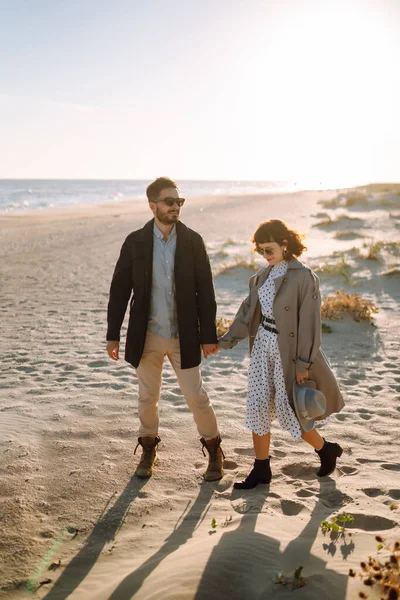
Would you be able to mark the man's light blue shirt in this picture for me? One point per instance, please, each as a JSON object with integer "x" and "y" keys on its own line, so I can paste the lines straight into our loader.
{"x": 163, "y": 318}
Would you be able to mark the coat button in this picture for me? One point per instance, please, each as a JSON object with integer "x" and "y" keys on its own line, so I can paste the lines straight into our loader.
{"x": 291, "y": 334}
{"x": 294, "y": 360}
{"x": 284, "y": 279}
{"x": 286, "y": 308}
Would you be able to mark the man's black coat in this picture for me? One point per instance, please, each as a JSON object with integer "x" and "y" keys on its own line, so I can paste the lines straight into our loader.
{"x": 195, "y": 299}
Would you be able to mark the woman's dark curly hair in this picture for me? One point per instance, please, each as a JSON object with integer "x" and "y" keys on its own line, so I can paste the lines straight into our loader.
{"x": 277, "y": 231}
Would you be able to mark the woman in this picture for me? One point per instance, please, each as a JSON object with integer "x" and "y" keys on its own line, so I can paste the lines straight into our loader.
{"x": 281, "y": 317}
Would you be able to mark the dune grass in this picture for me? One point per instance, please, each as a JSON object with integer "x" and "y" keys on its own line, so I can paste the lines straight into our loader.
{"x": 346, "y": 199}
{"x": 347, "y": 235}
{"x": 341, "y": 268}
{"x": 342, "y": 217}
{"x": 334, "y": 308}
{"x": 374, "y": 248}
{"x": 238, "y": 261}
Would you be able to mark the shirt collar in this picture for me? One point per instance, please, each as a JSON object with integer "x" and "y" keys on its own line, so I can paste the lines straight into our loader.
{"x": 160, "y": 234}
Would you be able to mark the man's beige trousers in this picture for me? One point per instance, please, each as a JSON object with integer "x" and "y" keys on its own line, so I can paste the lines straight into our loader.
{"x": 149, "y": 373}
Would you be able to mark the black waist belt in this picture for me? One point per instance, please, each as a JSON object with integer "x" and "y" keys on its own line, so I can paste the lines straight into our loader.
{"x": 265, "y": 323}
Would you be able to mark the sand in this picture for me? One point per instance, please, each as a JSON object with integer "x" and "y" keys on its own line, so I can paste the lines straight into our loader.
{"x": 75, "y": 522}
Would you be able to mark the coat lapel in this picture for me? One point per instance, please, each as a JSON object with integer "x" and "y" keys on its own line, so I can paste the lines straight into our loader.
{"x": 144, "y": 254}
{"x": 182, "y": 245}
{"x": 293, "y": 264}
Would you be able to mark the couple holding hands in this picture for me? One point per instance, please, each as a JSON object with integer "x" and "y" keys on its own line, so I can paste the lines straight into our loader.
{"x": 164, "y": 273}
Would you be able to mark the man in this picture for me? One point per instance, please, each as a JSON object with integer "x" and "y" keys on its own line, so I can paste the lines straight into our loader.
{"x": 165, "y": 271}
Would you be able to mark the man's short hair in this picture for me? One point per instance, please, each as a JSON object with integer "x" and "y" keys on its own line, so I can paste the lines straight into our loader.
{"x": 161, "y": 183}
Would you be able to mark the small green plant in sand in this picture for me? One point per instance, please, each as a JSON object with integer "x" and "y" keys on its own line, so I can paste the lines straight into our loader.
{"x": 296, "y": 581}
{"x": 215, "y": 524}
{"x": 375, "y": 247}
{"x": 393, "y": 506}
{"x": 380, "y": 575}
{"x": 222, "y": 325}
{"x": 326, "y": 328}
{"x": 335, "y": 307}
{"x": 337, "y": 524}
{"x": 341, "y": 267}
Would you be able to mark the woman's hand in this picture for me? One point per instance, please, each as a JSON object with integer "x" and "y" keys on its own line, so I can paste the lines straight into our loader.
{"x": 302, "y": 377}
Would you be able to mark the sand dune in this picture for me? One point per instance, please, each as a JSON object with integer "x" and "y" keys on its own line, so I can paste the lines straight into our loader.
{"x": 68, "y": 419}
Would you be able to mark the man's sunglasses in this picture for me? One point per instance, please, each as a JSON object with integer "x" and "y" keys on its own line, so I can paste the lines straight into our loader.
{"x": 171, "y": 201}
{"x": 265, "y": 251}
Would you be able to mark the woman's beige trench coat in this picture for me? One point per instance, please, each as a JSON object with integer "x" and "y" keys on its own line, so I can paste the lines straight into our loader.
{"x": 297, "y": 306}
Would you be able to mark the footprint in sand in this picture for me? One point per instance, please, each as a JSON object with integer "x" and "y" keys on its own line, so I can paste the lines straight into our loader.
{"x": 373, "y": 492}
{"x": 366, "y": 461}
{"x": 389, "y": 365}
{"x": 244, "y": 451}
{"x": 178, "y": 402}
{"x": 95, "y": 364}
{"x": 333, "y": 498}
{"x": 342, "y": 416}
{"x": 290, "y": 508}
{"x": 395, "y": 494}
{"x": 371, "y": 523}
{"x": 391, "y": 466}
{"x": 300, "y": 471}
{"x": 348, "y": 470}
{"x": 304, "y": 494}
{"x": 230, "y": 465}
{"x": 279, "y": 453}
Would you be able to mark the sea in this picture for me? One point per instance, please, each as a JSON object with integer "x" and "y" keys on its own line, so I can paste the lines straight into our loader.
{"x": 18, "y": 195}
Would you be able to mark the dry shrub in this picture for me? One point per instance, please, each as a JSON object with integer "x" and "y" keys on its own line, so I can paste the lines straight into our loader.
{"x": 349, "y": 235}
{"x": 335, "y": 307}
{"x": 342, "y": 217}
{"x": 349, "y": 198}
{"x": 324, "y": 222}
{"x": 222, "y": 325}
{"x": 382, "y": 576}
{"x": 393, "y": 188}
{"x": 355, "y": 197}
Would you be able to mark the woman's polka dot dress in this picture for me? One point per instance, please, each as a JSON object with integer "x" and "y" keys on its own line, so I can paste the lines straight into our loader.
{"x": 267, "y": 397}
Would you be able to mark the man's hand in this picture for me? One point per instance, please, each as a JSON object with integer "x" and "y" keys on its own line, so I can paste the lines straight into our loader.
{"x": 113, "y": 350}
{"x": 209, "y": 349}
{"x": 301, "y": 377}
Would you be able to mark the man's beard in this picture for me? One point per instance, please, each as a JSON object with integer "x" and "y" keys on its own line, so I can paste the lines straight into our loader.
{"x": 167, "y": 218}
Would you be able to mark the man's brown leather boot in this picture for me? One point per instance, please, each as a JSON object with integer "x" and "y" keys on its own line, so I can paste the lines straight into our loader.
{"x": 214, "y": 470}
{"x": 149, "y": 445}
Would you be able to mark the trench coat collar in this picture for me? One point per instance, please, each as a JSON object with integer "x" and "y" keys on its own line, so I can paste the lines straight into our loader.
{"x": 262, "y": 275}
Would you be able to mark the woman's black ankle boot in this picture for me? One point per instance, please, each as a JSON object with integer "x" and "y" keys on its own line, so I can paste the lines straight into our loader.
{"x": 260, "y": 473}
{"x": 328, "y": 454}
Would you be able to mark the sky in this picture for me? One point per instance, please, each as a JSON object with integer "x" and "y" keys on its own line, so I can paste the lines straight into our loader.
{"x": 293, "y": 90}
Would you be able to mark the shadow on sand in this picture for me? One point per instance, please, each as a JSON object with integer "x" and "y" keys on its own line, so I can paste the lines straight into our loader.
{"x": 103, "y": 532}
{"x": 244, "y": 562}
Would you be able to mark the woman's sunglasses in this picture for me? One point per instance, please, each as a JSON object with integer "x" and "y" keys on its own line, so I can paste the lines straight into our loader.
{"x": 265, "y": 251}
{"x": 171, "y": 201}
